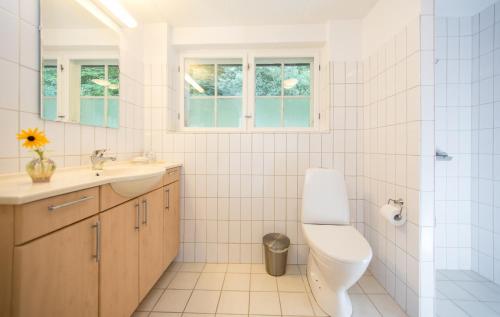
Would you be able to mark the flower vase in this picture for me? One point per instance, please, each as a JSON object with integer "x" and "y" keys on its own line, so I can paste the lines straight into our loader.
{"x": 41, "y": 169}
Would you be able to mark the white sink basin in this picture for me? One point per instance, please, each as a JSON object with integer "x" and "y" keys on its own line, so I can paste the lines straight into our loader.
{"x": 132, "y": 182}
{"x": 137, "y": 186}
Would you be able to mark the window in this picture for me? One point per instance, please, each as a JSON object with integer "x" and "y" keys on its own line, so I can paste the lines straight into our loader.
{"x": 99, "y": 93}
{"x": 49, "y": 89}
{"x": 213, "y": 91}
{"x": 282, "y": 91}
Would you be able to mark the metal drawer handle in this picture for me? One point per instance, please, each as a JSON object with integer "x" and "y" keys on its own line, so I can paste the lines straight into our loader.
{"x": 145, "y": 206}
{"x": 137, "y": 215}
{"x": 168, "y": 198}
{"x": 70, "y": 203}
{"x": 97, "y": 227}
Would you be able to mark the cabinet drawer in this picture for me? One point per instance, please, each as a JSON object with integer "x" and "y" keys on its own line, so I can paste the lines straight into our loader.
{"x": 43, "y": 216}
{"x": 172, "y": 175}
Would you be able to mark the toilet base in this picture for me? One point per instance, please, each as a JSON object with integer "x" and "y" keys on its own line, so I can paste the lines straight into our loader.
{"x": 335, "y": 303}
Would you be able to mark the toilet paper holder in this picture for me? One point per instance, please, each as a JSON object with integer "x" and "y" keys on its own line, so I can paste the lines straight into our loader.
{"x": 399, "y": 202}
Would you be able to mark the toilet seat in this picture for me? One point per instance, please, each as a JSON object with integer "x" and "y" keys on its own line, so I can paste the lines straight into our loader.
{"x": 338, "y": 243}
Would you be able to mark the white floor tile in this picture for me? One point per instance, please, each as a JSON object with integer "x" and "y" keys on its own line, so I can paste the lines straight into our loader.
{"x": 263, "y": 282}
{"x": 165, "y": 279}
{"x": 386, "y": 305}
{"x": 292, "y": 270}
{"x": 173, "y": 301}
{"x": 159, "y": 314}
{"x": 476, "y": 309}
{"x": 140, "y": 314}
{"x": 480, "y": 291}
{"x": 202, "y": 301}
{"x": 264, "y": 303}
{"x": 295, "y": 304}
{"x": 150, "y": 300}
{"x": 210, "y": 281}
{"x": 192, "y": 267}
{"x": 236, "y": 282}
{"x": 184, "y": 280}
{"x": 232, "y": 302}
{"x": 446, "y": 308}
{"x": 290, "y": 283}
{"x": 215, "y": 267}
{"x": 453, "y": 291}
{"x": 239, "y": 268}
{"x": 197, "y": 315}
{"x": 363, "y": 307}
{"x": 258, "y": 268}
{"x": 370, "y": 285}
{"x": 355, "y": 289}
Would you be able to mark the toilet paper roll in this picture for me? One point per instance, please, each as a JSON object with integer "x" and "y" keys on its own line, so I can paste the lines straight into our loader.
{"x": 390, "y": 212}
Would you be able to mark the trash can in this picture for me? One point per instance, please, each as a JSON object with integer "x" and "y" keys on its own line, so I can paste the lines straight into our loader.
{"x": 276, "y": 250}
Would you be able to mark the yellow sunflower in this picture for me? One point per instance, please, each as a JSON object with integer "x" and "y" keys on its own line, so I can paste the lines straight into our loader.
{"x": 33, "y": 139}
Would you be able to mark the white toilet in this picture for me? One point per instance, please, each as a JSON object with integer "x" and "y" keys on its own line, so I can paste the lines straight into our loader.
{"x": 339, "y": 254}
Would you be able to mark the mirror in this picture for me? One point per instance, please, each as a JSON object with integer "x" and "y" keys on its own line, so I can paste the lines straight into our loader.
{"x": 80, "y": 77}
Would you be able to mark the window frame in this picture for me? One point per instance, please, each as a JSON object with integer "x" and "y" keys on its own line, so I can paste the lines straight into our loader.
{"x": 182, "y": 86}
{"x": 248, "y": 58}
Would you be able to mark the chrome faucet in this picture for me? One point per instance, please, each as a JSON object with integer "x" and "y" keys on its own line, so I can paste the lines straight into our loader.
{"x": 97, "y": 158}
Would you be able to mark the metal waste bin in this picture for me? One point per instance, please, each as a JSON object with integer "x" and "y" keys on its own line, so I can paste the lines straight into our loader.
{"x": 276, "y": 251}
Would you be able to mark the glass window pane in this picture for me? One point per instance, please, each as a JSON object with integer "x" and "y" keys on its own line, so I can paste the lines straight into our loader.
{"x": 268, "y": 80}
{"x": 114, "y": 80}
{"x": 49, "y": 108}
{"x": 228, "y": 112}
{"x": 50, "y": 80}
{"x": 113, "y": 113}
{"x": 92, "y": 80}
{"x": 297, "y": 79}
{"x": 229, "y": 79}
{"x": 297, "y": 112}
{"x": 199, "y": 112}
{"x": 267, "y": 112}
{"x": 92, "y": 111}
{"x": 200, "y": 80}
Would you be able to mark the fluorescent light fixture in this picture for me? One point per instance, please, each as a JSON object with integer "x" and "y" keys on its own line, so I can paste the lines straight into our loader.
{"x": 120, "y": 12}
{"x": 101, "y": 82}
{"x": 101, "y": 16}
{"x": 290, "y": 83}
{"x": 193, "y": 83}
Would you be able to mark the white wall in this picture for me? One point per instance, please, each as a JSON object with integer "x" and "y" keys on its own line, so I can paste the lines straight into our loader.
{"x": 385, "y": 20}
{"x": 70, "y": 144}
{"x": 461, "y": 8}
{"x": 345, "y": 40}
{"x": 453, "y": 134}
{"x": 485, "y": 143}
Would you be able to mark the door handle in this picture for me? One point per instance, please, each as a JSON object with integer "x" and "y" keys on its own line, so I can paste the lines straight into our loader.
{"x": 137, "y": 215}
{"x": 97, "y": 227}
{"x": 145, "y": 207}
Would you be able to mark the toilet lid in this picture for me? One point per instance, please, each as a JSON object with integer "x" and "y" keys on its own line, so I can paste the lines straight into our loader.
{"x": 340, "y": 243}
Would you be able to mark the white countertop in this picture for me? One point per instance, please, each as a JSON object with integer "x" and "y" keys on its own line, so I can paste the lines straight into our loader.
{"x": 16, "y": 189}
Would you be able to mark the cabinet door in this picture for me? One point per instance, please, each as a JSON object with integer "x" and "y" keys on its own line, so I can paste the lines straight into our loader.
{"x": 172, "y": 233}
{"x": 119, "y": 271}
{"x": 151, "y": 241}
{"x": 57, "y": 275}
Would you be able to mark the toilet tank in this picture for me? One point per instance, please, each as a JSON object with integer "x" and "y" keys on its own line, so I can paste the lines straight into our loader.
{"x": 324, "y": 199}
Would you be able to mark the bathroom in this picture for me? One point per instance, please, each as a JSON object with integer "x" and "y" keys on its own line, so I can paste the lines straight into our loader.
{"x": 215, "y": 123}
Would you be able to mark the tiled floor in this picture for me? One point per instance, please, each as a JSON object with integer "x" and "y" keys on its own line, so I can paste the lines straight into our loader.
{"x": 466, "y": 293}
{"x": 237, "y": 290}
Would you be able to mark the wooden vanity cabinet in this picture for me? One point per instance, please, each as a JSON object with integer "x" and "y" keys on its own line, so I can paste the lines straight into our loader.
{"x": 151, "y": 232}
{"x": 57, "y": 275}
{"x": 119, "y": 266}
{"x": 87, "y": 253}
{"x": 171, "y": 222}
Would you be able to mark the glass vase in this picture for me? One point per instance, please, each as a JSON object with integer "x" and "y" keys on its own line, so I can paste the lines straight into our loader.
{"x": 41, "y": 170}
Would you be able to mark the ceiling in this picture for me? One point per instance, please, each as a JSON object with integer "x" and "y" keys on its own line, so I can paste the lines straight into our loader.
{"x": 216, "y": 12}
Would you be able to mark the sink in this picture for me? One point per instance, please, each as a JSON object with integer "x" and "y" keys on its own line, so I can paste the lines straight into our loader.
{"x": 132, "y": 182}
{"x": 137, "y": 186}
